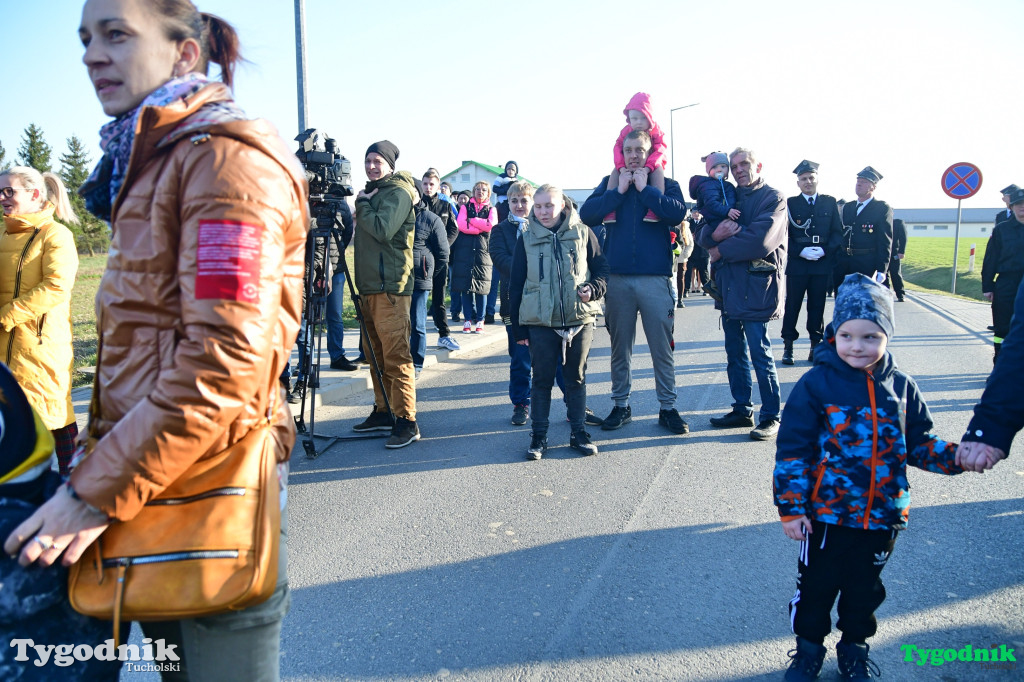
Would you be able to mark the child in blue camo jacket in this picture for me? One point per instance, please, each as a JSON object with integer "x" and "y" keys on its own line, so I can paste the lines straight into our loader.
{"x": 850, "y": 427}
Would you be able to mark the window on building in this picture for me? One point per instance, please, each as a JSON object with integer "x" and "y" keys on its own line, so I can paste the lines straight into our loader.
{"x": 465, "y": 177}
{"x": 941, "y": 227}
{"x": 919, "y": 227}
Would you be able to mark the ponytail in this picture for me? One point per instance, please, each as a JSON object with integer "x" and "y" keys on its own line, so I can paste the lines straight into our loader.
{"x": 221, "y": 46}
{"x": 218, "y": 40}
{"x": 51, "y": 188}
{"x": 58, "y": 196}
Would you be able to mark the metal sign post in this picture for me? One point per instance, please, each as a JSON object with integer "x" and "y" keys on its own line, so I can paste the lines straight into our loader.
{"x": 960, "y": 181}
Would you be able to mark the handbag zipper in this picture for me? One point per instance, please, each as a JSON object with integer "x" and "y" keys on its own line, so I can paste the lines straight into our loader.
{"x": 114, "y": 562}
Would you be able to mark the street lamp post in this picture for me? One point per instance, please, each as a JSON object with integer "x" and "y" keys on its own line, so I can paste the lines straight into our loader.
{"x": 672, "y": 133}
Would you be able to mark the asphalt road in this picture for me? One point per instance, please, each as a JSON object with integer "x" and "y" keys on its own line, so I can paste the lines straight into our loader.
{"x": 661, "y": 558}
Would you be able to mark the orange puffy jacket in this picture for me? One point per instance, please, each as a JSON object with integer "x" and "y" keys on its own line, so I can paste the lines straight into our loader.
{"x": 200, "y": 302}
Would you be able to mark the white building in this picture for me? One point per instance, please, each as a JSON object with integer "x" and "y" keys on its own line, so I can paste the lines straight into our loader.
{"x": 941, "y": 222}
{"x": 472, "y": 172}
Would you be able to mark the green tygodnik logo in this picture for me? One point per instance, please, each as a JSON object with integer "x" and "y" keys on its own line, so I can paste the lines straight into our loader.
{"x": 995, "y": 654}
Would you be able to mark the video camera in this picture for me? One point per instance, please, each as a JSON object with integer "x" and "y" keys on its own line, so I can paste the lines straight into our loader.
{"x": 328, "y": 172}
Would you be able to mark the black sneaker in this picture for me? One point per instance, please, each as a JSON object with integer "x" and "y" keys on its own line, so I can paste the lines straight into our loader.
{"x": 854, "y": 663}
{"x": 344, "y": 364}
{"x": 617, "y": 418}
{"x": 671, "y": 420}
{"x": 295, "y": 395}
{"x": 591, "y": 419}
{"x": 520, "y": 414}
{"x": 403, "y": 433}
{"x": 538, "y": 446}
{"x": 580, "y": 441}
{"x": 806, "y": 660}
{"x": 766, "y": 430}
{"x": 732, "y": 420}
{"x": 456, "y": 318}
{"x": 361, "y": 360}
{"x": 488, "y": 319}
{"x": 377, "y": 421}
{"x": 787, "y": 355}
{"x": 810, "y": 356}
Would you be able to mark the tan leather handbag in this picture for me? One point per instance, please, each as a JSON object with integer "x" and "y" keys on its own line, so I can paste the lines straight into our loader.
{"x": 207, "y": 544}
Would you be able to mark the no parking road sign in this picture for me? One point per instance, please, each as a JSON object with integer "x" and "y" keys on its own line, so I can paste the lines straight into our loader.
{"x": 961, "y": 180}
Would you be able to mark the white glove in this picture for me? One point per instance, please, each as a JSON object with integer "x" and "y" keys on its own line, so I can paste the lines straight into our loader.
{"x": 879, "y": 277}
{"x": 812, "y": 252}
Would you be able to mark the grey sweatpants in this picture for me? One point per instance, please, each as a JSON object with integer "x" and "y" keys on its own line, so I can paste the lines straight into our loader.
{"x": 651, "y": 297}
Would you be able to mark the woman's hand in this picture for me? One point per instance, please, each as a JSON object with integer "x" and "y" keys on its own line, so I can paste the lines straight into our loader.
{"x": 524, "y": 342}
{"x": 62, "y": 525}
{"x": 585, "y": 292}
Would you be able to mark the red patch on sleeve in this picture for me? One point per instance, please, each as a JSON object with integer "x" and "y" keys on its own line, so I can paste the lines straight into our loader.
{"x": 228, "y": 260}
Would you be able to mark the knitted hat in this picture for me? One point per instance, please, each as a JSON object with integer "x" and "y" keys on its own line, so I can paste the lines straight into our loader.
{"x": 713, "y": 159}
{"x": 861, "y": 298}
{"x": 25, "y": 443}
{"x": 386, "y": 149}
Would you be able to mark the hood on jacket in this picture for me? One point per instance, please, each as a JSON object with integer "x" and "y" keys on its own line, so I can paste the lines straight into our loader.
{"x": 697, "y": 181}
{"x": 641, "y": 101}
{"x": 400, "y": 179}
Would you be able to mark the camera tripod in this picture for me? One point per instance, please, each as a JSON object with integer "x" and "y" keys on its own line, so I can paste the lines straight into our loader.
{"x": 314, "y": 317}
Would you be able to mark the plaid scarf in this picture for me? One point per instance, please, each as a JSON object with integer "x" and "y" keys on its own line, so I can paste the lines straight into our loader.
{"x": 117, "y": 137}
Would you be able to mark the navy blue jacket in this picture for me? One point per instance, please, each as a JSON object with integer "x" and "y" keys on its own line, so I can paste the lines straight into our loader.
{"x": 429, "y": 247}
{"x": 1000, "y": 414}
{"x": 712, "y": 198}
{"x": 632, "y": 246}
{"x": 846, "y": 439}
{"x": 752, "y": 296}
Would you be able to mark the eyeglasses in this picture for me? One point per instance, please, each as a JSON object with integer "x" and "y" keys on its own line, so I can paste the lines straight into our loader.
{"x": 8, "y": 192}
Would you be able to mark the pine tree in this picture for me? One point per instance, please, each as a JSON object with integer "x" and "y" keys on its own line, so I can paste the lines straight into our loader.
{"x": 91, "y": 234}
{"x": 34, "y": 151}
{"x": 3, "y": 160}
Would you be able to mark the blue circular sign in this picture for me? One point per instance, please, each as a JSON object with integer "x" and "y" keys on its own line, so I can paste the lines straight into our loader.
{"x": 961, "y": 180}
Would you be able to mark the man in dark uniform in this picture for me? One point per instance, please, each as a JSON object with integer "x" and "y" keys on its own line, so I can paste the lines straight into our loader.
{"x": 899, "y": 249}
{"x": 815, "y": 233}
{"x": 1003, "y": 268}
{"x": 1007, "y": 214}
{"x": 867, "y": 231}
{"x": 439, "y": 206}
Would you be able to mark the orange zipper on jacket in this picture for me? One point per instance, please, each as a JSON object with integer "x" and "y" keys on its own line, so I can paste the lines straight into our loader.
{"x": 874, "y": 448}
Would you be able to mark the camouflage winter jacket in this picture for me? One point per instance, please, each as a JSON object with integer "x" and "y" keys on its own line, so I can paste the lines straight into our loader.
{"x": 846, "y": 438}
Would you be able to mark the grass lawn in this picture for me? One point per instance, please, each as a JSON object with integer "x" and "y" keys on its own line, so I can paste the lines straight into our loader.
{"x": 928, "y": 260}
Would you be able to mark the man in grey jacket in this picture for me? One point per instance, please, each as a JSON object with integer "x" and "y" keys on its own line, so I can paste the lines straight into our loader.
{"x": 750, "y": 258}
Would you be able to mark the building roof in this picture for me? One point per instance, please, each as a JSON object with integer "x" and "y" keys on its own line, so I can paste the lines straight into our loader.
{"x": 487, "y": 166}
{"x": 945, "y": 215}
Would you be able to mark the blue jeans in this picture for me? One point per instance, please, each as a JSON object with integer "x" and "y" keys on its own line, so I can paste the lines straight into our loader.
{"x": 739, "y": 335}
{"x": 335, "y": 325}
{"x": 492, "y": 297}
{"x": 469, "y": 312}
{"x": 418, "y": 317}
{"x": 518, "y": 371}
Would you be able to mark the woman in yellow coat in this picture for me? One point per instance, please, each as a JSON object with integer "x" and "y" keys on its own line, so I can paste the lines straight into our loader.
{"x": 38, "y": 263}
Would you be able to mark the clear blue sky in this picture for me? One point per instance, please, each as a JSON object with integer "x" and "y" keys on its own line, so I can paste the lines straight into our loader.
{"x": 907, "y": 86}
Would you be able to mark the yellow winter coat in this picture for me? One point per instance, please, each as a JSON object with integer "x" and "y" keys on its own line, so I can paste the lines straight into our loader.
{"x": 38, "y": 263}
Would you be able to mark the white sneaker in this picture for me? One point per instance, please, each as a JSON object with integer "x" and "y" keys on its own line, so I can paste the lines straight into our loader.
{"x": 467, "y": 328}
{"x": 448, "y": 343}
{"x": 479, "y": 326}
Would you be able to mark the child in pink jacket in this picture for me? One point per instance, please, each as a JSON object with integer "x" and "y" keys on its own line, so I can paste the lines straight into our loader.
{"x": 639, "y": 117}
{"x": 471, "y": 258}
